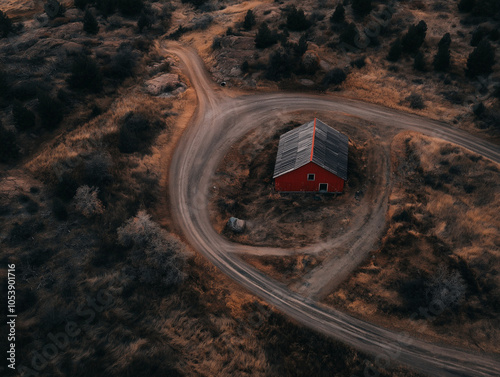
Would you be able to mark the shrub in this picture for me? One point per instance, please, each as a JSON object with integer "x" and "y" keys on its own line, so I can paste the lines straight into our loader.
{"x": 87, "y": 202}
{"x": 82, "y": 4}
{"x": 54, "y": 9}
{"x": 4, "y": 83}
{"x": 466, "y": 5}
{"x": 32, "y": 207}
{"x": 395, "y": 51}
{"x": 419, "y": 62}
{"x": 97, "y": 169}
{"x": 156, "y": 255}
{"x": 414, "y": 37}
{"x": 130, "y": 7}
{"x": 335, "y": 76}
{"x": 107, "y": 7}
{"x": 90, "y": 24}
{"x": 478, "y": 35}
{"x": 25, "y": 90}
{"x": 486, "y": 8}
{"x": 338, "y": 15}
{"x": 245, "y": 67}
{"x": 349, "y": 34}
{"x": 416, "y": 101}
{"x": 5, "y": 25}
{"x": 25, "y": 230}
{"x": 144, "y": 21}
{"x": 8, "y": 146}
{"x": 196, "y": 3}
{"x": 296, "y": 20}
{"x": 85, "y": 74}
{"x": 481, "y": 60}
{"x": 49, "y": 110}
{"x": 300, "y": 48}
{"x": 265, "y": 37}
{"x": 359, "y": 62}
{"x": 59, "y": 210}
{"x": 122, "y": 65}
{"x": 216, "y": 43}
{"x": 24, "y": 119}
{"x": 249, "y": 21}
{"x": 279, "y": 66}
{"x": 136, "y": 134}
{"x": 442, "y": 58}
{"x": 66, "y": 186}
{"x": 361, "y": 7}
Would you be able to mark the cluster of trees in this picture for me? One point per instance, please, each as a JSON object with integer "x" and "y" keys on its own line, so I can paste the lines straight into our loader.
{"x": 108, "y": 7}
{"x": 485, "y": 8}
{"x": 5, "y": 25}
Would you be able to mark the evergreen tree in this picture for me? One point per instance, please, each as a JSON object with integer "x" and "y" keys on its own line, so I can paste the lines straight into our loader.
{"x": 90, "y": 24}
{"x": 85, "y": 74}
{"x": 349, "y": 34}
{"x": 249, "y": 21}
{"x": 481, "y": 60}
{"x": 296, "y": 20}
{"x": 361, "y": 7}
{"x": 144, "y": 21}
{"x": 301, "y": 47}
{"x": 8, "y": 146}
{"x": 442, "y": 58}
{"x": 265, "y": 37}
{"x": 466, "y": 5}
{"x": 414, "y": 38}
{"x": 419, "y": 62}
{"x": 5, "y": 25}
{"x": 339, "y": 14}
{"x": 395, "y": 51}
{"x": 280, "y": 65}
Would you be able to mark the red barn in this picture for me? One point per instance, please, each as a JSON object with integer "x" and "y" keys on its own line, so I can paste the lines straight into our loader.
{"x": 311, "y": 158}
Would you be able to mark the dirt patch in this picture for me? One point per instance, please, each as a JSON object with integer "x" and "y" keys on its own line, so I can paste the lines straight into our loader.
{"x": 442, "y": 245}
{"x": 244, "y": 189}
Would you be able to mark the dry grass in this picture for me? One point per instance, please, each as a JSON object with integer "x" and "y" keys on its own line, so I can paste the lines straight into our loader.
{"x": 443, "y": 213}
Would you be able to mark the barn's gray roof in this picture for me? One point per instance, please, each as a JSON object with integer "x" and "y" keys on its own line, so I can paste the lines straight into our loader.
{"x": 316, "y": 142}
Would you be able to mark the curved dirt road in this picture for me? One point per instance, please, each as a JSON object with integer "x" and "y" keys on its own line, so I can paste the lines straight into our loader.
{"x": 218, "y": 122}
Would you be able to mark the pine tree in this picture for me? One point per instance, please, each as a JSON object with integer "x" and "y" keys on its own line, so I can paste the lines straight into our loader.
{"x": 395, "y": 51}
{"x": 361, "y": 7}
{"x": 481, "y": 60}
{"x": 23, "y": 118}
{"x": 90, "y": 24}
{"x": 5, "y": 24}
{"x": 419, "y": 62}
{"x": 265, "y": 37}
{"x": 414, "y": 38}
{"x": 442, "y": 58}
{"x": 296, "y": 20}
{"x": 339, "y": 14}
{"x": 249, "y": 21}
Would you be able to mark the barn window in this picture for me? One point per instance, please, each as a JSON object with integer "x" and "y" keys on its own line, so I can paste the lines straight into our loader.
{"x": 310, "y": 177}
{"x": 323, "y": 187}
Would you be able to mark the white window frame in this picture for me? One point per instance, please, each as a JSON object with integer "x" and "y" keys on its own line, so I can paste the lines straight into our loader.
{"x": 319, "y": 187}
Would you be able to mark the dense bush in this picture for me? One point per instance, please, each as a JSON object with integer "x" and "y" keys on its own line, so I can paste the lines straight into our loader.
{"x": 335, "y": 76}
{"x": 350, "y": 34}
{"x": 338, "y": 15}
{"x": 8, "y": 146}
{"x": 5, "y": 24}
{"x": 466, "y": 5}
{"x": 265, "y": 37}
{"x": 481, "y": 60}
{"x": 486, "y": 8}
{"x": 136, "y": 134}
{"x": 416, "y": 101}
{"x": 82, "y": 4}
{"x": 90, "y": 24}
{"x": 24, "y": 119}
{"x": 145, "y": 21}
{"x": 59, "y": 210}
{"x": 249, "y": 21}
{"x": 50, "y": 110}
{"x": 442, "y": 58}
{"x": 107, "y": 7}
{"x": 279, "y": 66}
{"x": 296, "y": 20}
{"x": 414, "y": 37}
{"x": 97, "y": 168}
{"x": 123, "y": 63}
{"x": 419, "y": 63}
{"x": 130, "y": 7}
{"x": 361, "y": 7}
{"x": 85, "y": 74}
{"x": 196, "y": 3}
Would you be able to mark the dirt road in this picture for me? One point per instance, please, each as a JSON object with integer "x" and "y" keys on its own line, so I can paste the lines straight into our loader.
{"x": 219, "y": 121}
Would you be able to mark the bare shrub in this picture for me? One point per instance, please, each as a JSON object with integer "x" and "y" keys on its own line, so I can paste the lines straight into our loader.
{"x": 87, "y": 202}
{"x": 156, "y": 255}
{"x": 446, "y": 287}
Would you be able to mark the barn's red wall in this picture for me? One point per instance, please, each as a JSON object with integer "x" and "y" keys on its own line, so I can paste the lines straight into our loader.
{"x": 296, "y": 180}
